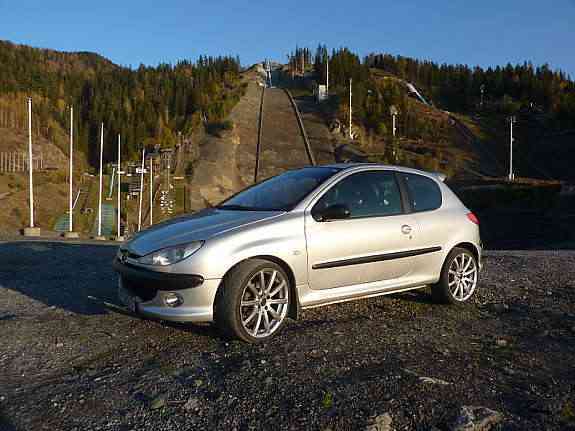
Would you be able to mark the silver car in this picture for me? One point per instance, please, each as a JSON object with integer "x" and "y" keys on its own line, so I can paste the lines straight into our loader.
{"x": 303, "y": 239}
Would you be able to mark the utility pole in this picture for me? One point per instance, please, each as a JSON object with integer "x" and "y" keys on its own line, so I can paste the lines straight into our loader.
{"x": 99, "y": 236}
{"x": 31, "y": 230}
{"x": 151, "y": 191}
{"x": 327, "y": 77}
{"x": 141, "y": 190}
{"x": 512, "y": 120}
{"x": 350, "y": 110}
{"x": 119, "y": 237}
{"x": 71, "y": 233}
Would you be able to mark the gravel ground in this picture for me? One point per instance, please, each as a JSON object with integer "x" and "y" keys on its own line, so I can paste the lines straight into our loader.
{"x": 68, "y": 362}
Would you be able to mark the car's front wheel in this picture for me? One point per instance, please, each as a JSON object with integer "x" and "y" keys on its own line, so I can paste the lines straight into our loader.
{"x": 459, "y": 277}
{"x": 254, "y": 300}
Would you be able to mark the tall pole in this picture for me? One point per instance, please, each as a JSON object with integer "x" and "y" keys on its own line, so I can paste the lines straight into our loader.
{"x": 327, "y": 76}
{"x": 118, "y": 233}
{"x": 393, "y": 126}
{"x": 100, "y": 188}
{"x": 151, "y": 192}
{"x": 70, "y": 229}
{"x": 511, "y": 174}
{"x": 30, "y": 163}
{"x": 141, "y": 190}
{"x": 350, "y": 132}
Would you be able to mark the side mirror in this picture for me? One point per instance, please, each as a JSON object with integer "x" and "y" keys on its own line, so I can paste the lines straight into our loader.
{"x": 332, "y": 212}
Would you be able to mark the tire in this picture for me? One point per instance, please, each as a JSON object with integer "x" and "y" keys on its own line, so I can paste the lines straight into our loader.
{"x": 459, "y": 277}
{"x": 251, "y": 310}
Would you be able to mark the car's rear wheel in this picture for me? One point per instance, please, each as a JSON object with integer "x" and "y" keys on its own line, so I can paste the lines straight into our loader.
{"x": 254, "y": 300}
{"x": 459, "y": 277}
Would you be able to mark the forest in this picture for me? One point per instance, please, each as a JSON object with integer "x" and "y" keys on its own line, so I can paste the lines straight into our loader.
{"x": 463, "y": 89}
{"x": 147, "y": 105}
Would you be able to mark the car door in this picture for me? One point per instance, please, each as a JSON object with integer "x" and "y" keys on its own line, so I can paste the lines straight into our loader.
{"x": 426, "y": 202}
{"x": 371, "y": 244}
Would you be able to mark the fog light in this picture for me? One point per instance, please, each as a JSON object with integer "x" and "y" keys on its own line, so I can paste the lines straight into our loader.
{"x": 173, "y": 299}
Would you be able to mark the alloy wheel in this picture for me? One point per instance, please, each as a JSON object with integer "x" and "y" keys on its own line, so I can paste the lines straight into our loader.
{"x": 264, "y": 303}
{"x": 462, "y": 277}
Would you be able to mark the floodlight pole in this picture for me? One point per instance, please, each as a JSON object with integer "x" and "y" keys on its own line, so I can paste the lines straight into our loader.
{"x": 327, "y": 76}
{"x": 71, "y": 166}
{"x": 151, "y": 192}
{"x": 119, "y": 237}
{"x": 71, "y": 234}
{"x": 141, "y": 190}
{"x": 100, "y": 186}
{"x": 350, "y": 110}
{"x": 512, "y": 120}
{"x": 30, "y": 162}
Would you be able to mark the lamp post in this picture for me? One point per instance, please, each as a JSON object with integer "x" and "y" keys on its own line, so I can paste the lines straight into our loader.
{"x": 512, "y": 120}
{"x": 31, "y": 230}
{"x": 350, "y": 109}
{"x": 119, "y": 236}
{"x": 151, "y": 191}
{"x": 99, "y": 236}
{"x": 141, "y": 189}
{"x": 71, "y": 234}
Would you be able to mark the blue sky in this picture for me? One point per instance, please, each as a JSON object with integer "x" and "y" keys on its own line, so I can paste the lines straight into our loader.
{"x": 131, "y": 32}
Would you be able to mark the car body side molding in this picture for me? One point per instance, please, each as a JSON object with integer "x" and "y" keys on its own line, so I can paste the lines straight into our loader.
{"x": 375, "y": 258}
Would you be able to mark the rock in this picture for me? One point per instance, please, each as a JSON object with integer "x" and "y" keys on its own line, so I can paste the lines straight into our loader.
{"x": 499, "y": 307}
{"x": 380, "y": 423}
{"x": 433, "y": 381}
{"x": 475, "y": 418}
{"x": 192, "y": 404}
{"x": 158, "y": 402}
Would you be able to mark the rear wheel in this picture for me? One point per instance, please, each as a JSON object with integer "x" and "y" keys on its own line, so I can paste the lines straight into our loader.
{"x": 459, "y": 277}
{"x": 254, "y": 302}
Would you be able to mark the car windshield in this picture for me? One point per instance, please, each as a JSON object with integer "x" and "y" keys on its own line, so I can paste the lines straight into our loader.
{"x": 280, "y": 193}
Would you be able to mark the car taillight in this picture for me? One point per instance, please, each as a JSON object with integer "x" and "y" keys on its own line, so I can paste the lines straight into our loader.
{"x": 473, "y": 218}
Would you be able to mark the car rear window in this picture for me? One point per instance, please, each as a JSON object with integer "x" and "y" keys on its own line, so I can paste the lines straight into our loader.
{"x": 424, "y": 193}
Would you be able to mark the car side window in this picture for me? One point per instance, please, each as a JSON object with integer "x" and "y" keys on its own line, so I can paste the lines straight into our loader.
{"x": 424, "y": 193}
{"x": 365, "y": 194}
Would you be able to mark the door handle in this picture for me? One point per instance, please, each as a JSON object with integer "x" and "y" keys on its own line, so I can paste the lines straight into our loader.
{"x": 406, "y": 229}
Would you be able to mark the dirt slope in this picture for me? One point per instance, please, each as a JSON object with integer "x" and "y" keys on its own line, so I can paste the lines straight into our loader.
{"x": 226, "y": 162}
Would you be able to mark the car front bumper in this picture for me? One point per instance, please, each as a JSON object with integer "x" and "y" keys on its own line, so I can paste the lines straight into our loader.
{"x": 145, "y": 292}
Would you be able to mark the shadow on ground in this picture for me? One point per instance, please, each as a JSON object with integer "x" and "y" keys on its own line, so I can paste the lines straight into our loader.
{"x": 60, "y": 275}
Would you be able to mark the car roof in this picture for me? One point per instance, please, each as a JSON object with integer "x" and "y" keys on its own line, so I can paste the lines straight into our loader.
{"x": 366, "y": 166}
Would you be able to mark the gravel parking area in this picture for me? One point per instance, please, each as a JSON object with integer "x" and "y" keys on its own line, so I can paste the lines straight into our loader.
{"x": 68, "y": 362}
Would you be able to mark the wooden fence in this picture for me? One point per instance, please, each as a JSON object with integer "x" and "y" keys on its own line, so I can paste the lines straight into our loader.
{"x": 14, "y": 161}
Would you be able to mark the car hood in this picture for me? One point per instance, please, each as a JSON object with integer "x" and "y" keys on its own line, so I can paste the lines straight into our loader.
{"x": 199, "y": 226}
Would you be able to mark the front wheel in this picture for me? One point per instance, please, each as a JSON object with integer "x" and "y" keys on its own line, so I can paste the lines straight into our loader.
{"x": 254, "y": 301}
{"x": 458, "y": 279}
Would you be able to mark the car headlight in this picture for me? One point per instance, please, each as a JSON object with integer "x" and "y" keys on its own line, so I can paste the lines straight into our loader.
{"x": 170, "y": 255}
